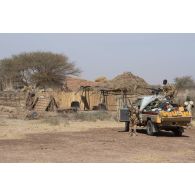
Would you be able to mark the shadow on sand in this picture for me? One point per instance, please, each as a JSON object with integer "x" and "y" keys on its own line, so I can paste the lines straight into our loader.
{"x": 161, "y": 133}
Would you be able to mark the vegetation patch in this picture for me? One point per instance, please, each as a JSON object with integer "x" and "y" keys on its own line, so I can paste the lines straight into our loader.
{"x": 93, "y": 116}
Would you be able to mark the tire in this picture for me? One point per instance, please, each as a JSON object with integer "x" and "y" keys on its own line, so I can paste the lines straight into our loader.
{"x": 151, "y": 128}
{"x": 178, "y": 132}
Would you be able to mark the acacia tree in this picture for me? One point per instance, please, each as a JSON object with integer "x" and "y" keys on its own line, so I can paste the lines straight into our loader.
{"x": 41, "y": 69}
{"x": 8, "y": 72}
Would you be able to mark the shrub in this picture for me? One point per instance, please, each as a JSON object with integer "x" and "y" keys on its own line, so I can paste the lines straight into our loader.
{"x": 185, "y": 82}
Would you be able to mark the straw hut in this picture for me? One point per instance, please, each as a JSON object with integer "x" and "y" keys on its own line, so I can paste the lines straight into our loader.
{"x": 130, "y": 83}
{"x": 113, "y": 93}
{"x": 85, "y": 93}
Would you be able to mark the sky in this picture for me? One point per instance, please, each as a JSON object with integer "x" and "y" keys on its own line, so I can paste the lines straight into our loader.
{"x": 153, "y": 57}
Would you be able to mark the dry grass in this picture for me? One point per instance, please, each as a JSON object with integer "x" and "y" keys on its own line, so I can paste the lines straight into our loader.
{"x": 55, "y": 119}
{"x": 93, "y": 116}
{"x": 19, "y": 129}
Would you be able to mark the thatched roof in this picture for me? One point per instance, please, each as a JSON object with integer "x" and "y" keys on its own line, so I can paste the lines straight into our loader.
{"x": 75, "y": 83}
{"x": 128, "y": 82}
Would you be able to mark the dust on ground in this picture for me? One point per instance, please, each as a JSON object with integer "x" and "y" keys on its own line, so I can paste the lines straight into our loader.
{"x": 100, "y": 141}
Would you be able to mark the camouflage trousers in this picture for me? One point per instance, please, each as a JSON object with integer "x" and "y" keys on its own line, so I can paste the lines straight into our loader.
{"x": 133, "y": 129}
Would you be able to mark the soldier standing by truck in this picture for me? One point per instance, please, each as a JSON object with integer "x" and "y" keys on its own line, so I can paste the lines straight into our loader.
{"x": 134, "y": 117}
{"x": 189, "y": 104}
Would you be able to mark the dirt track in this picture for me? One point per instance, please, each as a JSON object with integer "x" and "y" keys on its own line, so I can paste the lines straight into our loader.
{"x": 99, "y": 145}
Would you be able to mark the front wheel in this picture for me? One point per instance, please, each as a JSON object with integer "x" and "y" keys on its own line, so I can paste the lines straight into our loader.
{"x": 151, "y": 128}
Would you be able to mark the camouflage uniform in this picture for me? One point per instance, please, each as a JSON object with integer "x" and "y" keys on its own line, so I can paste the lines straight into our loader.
{"x": 133, "y": 121}
{"x": 169, "y": 91}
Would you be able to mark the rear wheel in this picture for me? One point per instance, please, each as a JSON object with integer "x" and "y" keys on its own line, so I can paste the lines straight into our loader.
{"x": 151, "y": 128}
{"x": 178, "y": 132}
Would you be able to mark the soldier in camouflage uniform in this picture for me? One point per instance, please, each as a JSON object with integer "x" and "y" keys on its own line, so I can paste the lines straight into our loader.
{"x": 168, "y": 90}
{"x": 133, "y": 120}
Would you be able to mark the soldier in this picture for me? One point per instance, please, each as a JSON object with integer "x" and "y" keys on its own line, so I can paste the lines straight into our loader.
{"x": 189, "y": 104}
{"x": 168, "y": 90}
{"x": 133, "y": 120}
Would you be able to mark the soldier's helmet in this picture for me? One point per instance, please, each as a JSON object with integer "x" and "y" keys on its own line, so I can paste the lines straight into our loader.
{"x": 165, "y": 81}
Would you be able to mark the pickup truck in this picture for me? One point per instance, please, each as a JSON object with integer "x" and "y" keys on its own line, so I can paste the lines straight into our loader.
{"x": 157, "y": 113}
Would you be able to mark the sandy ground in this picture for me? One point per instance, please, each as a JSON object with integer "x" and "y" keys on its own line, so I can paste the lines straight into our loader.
{"x": 102, "y": 141}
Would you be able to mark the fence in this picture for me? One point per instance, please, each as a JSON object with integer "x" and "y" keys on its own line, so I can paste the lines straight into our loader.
{"x": 113, "y": 102}
{"x": 12, "y": 99}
